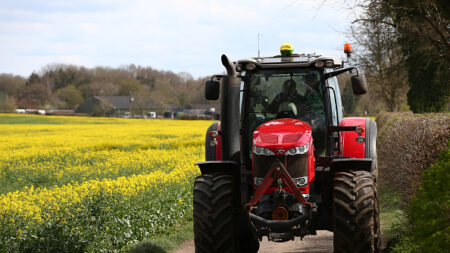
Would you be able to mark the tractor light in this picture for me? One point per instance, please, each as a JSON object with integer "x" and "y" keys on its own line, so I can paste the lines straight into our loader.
{"x": 239, "y": 68}
{"x": 319, "y": 64}
{"x": 262, "y": 151}
{"x": 214, "y": 134}
{"x": 258, "y": 181}
{"x": 250, "y": 66}
{"x": 300, "y": 181}
{"x": 329, "y": 64}
{"x": 286, "y": 49}
{"x": 348, "y": 48}
{"x": 298, "y": 150}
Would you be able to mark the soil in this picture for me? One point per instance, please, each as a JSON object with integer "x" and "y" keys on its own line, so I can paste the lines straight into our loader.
{"x": 320, "y": 243}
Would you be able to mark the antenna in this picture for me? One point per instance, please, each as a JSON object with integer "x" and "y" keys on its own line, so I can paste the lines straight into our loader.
{"x": 258, "y": 47}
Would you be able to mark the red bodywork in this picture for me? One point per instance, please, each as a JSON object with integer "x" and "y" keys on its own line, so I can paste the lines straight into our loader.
{"x": 279, "y": 136}
{"x": 219, "y": 145}
{"x": 349, "y": 147}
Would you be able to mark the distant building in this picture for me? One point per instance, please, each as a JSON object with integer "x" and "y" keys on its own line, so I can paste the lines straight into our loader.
{"x": 211, "y": 111}
{"x": 128, "y": 106}
{"x": 119, "y": 106}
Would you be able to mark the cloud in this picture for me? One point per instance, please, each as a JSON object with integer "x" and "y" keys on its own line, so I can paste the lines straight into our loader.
{"x": 174, "y": 35}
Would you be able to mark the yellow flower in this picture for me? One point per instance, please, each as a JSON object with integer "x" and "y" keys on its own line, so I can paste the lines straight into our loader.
{"x": 92, "y": 158}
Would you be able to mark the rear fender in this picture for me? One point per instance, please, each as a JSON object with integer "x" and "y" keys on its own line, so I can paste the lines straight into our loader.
{"x": 219, "y": 167}
{"x": 346, "y": 164}
{"x": 349, "y": 147}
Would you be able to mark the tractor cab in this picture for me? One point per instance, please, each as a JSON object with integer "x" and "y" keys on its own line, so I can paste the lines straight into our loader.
{"x": 274, "y": 89}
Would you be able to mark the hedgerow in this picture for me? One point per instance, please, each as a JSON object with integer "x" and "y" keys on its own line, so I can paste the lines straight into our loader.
{"x": 429, "y": 211}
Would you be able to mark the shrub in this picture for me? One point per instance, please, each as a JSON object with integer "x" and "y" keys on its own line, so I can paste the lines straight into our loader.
{"x": 428, "y": 211}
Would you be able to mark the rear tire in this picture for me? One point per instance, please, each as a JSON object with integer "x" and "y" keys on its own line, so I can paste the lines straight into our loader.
{"x": 355, "y": 212}
{"x": 216, "y": 227}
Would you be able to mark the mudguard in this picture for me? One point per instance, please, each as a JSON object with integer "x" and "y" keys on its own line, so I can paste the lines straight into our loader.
{"x": 349, "y": 147}
{"x": 221, "y": 167}
{"x": 213, "y": 153}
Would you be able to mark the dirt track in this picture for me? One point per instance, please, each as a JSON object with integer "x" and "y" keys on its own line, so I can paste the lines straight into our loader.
{"x": 320, "y": 243}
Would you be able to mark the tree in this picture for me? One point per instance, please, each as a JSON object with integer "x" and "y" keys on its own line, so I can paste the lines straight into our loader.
{"x": 98, "y": 88}
{"x": 349, "y": 100}
{"x": 70, "y": 96}
{"x": 36, "y": 95}
{"x": 423, "y": 28}
{"x": 7, "y": 104}
{"x": 34, "y": 78}
{"x": 419, "y": 32}
{"x": 381, "y": 57}
{"x": 12, "y": 85}
{"x": 129, "y": 87}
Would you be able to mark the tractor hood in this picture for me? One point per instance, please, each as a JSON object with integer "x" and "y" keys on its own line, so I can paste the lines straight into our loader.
{"x": 282, "y": 134}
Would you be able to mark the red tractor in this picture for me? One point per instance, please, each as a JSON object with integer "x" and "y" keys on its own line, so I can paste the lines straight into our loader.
{"x": 283, "y": 162}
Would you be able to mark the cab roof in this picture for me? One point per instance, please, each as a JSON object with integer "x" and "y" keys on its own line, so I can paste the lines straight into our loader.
{"x": 293, "y": 60}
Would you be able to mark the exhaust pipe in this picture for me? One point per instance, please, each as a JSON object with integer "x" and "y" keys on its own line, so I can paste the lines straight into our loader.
{"x": 229, "y": 112}
{"x": 229, "y": 66}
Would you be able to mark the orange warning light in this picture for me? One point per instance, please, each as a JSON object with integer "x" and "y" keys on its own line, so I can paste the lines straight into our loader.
{"x": 348, "y": 48}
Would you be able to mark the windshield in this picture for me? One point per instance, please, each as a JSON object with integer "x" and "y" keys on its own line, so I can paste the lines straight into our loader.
{"x": 274, "y": 94}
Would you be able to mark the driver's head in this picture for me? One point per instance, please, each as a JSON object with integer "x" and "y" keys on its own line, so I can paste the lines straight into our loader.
{"x": 289, "y": 86}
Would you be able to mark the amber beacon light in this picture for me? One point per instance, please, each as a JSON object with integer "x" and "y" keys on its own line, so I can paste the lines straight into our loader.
{"x": 348, "y": 49}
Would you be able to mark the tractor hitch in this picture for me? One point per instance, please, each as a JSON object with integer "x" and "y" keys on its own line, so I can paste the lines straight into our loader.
{"x": 279, "y": 225}
{"x": 277, "y": 172}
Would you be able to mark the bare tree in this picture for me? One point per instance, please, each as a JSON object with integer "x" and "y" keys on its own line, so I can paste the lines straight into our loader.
{"x": 381, "y": 57}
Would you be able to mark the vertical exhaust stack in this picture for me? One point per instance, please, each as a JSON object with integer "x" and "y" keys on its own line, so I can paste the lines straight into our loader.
{"x": 229, "y": 112}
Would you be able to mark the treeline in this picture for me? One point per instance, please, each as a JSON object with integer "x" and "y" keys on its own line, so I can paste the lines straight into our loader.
{"x": 60, "y": 86}
{"x": 403, "y": 48}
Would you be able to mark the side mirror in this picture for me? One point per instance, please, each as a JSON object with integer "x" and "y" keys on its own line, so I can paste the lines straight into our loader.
{"x": 359, "y": 85}
{"x": 212, "y": 89}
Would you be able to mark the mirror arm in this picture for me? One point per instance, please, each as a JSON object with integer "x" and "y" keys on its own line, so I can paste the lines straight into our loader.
{"x": 218, "y": 77}
{"x": 337, "y": 72}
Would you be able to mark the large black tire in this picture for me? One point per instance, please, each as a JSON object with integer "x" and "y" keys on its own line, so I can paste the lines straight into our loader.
{"x": 355, "y": 213}
{"x": 216, "y": 227}
{"x": 210, "y": 152}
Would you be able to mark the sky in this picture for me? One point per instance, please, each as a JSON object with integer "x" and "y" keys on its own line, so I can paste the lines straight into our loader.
{"x": 172, "y": 35}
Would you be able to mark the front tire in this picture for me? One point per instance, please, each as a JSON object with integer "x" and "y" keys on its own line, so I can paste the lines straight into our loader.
{"x": 216, "y": 227}
{"x": 355, "y": 212}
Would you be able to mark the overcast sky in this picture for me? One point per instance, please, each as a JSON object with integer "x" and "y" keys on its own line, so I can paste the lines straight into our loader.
{"x": 176, "y": 35}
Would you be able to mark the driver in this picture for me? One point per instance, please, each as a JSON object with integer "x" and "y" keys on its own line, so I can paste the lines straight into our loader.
{"x": 289, "y": 94}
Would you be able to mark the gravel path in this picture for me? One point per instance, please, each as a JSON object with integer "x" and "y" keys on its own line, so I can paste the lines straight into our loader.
{"x": 320, "y": 243}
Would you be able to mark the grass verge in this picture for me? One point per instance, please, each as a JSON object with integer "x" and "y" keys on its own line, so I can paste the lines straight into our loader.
{"x": 165, "y": 242}
{"x": 392, "y": 217}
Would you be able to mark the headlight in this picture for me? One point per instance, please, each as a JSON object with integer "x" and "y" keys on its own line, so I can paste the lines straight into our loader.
{"x": 258, "y": 181}
{"x": 301, "y": 181}
{"x": 262, "y": 151}
{"x": 298, "y": 150}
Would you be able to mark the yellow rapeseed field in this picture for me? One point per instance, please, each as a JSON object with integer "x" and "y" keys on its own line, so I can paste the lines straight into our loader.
{"x": 93, "y": 184}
